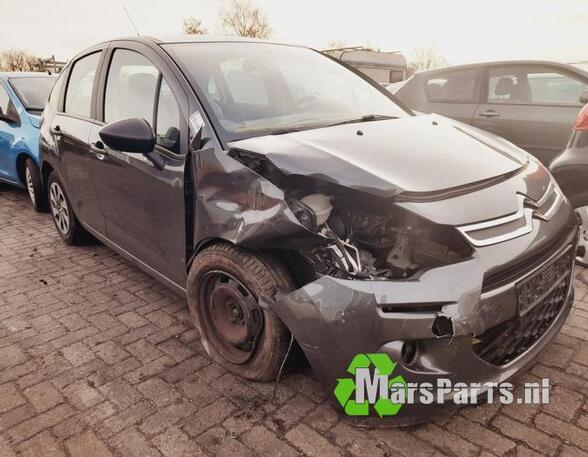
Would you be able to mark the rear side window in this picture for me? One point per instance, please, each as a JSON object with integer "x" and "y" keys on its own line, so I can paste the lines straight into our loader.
{"x": 552, "y": 87}
{"x": 455, "y": 86}
{"x": 78, "y": 97}
{"x": 534, "y": 85}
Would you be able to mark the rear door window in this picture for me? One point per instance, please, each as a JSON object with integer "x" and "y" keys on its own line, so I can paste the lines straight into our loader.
{"x": 505, "y": 86}
{"x": 78, "y": 97}
{"x": 534, "y": 85}
{"x": 455, "y": 86}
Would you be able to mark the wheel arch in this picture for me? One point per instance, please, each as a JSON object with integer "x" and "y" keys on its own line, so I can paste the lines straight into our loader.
{"x": 290, "y": 259}
{"x": 21, "y": 160}
{"x": 46, "y": 169}
{"x": 572, "y": 182}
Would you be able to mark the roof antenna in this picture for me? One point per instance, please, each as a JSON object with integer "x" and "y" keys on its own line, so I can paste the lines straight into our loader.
{"x": 131, "y": 19}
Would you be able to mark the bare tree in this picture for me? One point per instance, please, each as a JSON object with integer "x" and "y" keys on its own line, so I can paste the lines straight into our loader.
{"x": 337, "y": 44}
{"x": 245, "y": 19}
{"x": 18, "y": 60}
{"x": 193, "y": 26}
{"x": 426, "y": 57}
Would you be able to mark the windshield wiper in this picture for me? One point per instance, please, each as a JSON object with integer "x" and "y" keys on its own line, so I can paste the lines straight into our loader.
{"x": 285, "y": 130}
{"x": 366, "y": 118}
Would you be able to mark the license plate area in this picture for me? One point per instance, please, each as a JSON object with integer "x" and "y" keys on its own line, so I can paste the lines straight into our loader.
{"x": 531, "y": 291}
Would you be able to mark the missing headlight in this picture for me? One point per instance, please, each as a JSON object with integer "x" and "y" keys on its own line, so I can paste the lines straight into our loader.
{"x": 370, "y": 239}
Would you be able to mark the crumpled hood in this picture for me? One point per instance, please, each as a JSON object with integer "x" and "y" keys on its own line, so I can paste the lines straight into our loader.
{"x": 415, "y": 155}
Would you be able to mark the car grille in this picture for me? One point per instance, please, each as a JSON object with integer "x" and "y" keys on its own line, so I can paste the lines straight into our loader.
{"x": 541, "y": 299}
{"x": 504, "y": 275}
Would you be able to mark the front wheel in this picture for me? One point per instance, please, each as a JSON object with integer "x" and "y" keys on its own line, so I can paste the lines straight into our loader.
{"x": 225, "y": 286}
{"x": 62, "y": 213}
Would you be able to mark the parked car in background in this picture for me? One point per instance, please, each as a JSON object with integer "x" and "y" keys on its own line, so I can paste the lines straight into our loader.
{"x": 22, "y": 99}
{"x": 570, "y": 169}
{"x": 293, "y": 200}
{"x": 533, "y": 104}
{"x": 382, "y": 67}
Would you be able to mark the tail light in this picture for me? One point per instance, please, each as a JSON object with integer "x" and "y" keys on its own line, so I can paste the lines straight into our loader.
{"x": 582, "y": 119}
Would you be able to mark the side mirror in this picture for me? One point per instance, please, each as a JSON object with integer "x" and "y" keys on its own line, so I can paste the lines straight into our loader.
{"x": 129, "y": 135}
{"x": 584, "y": 97}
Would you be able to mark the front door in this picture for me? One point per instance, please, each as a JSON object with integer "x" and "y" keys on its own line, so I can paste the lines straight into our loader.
{"x": 532, "y": 106}
{"x": 142, "y": 196}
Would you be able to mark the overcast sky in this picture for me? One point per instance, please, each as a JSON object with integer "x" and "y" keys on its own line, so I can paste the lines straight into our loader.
{"x": 464, "y": 30}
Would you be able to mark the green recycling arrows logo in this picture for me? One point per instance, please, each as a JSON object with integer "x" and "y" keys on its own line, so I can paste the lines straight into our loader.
{"x": 378, "y": 368}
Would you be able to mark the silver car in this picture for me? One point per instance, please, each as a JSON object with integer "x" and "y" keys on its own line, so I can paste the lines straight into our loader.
{"x": 533, "y": 104}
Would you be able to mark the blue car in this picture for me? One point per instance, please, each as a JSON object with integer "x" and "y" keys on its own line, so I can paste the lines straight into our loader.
{"x": 22, "y": 99}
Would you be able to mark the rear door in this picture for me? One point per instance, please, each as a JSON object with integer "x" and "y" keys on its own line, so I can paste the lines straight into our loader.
{"x": 70, "y": 129}
{"x": 142, "y": 197}
{"x": 452, "y": 93}
{"x": 533, "y": 106}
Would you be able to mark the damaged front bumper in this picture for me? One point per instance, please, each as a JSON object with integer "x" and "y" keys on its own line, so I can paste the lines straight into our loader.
{"x": 453, "y": 318}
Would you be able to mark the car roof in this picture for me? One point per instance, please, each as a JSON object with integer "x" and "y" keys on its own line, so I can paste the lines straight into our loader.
{"x": 24, "y": 74}
{"x": 180, "y": 38}
{"x": 188, "y": 38}
{"x": 505, "y": 62}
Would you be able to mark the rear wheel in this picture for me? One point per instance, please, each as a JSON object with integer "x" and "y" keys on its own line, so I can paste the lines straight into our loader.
{"x": 34, "y": 186}
{"x": 583, "y": 241}
{"x": 62, "y": 213}
{"x": 225, "y": 286}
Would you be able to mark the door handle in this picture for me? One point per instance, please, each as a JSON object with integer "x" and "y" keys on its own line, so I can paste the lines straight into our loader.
{"x": 99, "y": 149}
{"x": 490, "y": 113}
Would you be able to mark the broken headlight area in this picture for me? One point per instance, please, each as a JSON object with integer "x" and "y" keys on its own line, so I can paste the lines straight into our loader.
{"x": 370, "y": 238}
{"x": 363, "y": 236}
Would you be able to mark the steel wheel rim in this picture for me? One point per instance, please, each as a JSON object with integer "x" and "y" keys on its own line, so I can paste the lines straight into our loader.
{"x": 583, "y": 239}
{"x": 59, "y": 208}
{"x": 30, "y": 187}
{"x": 230, "y": 315}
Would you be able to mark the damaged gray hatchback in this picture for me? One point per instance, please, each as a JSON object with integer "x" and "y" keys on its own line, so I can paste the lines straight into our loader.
{"x": 295, "y": 202}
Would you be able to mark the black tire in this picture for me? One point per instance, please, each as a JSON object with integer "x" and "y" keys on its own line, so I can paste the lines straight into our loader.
{"x": 261, "y": 276}
{"x": 65, "y": 220}
{"x": 582, "y": 211}
{"x": 34, "y": 185}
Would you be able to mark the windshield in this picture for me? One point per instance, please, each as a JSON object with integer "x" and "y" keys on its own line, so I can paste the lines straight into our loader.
{"x": 33, "y": 92}
{"x": 257, "y": 88}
